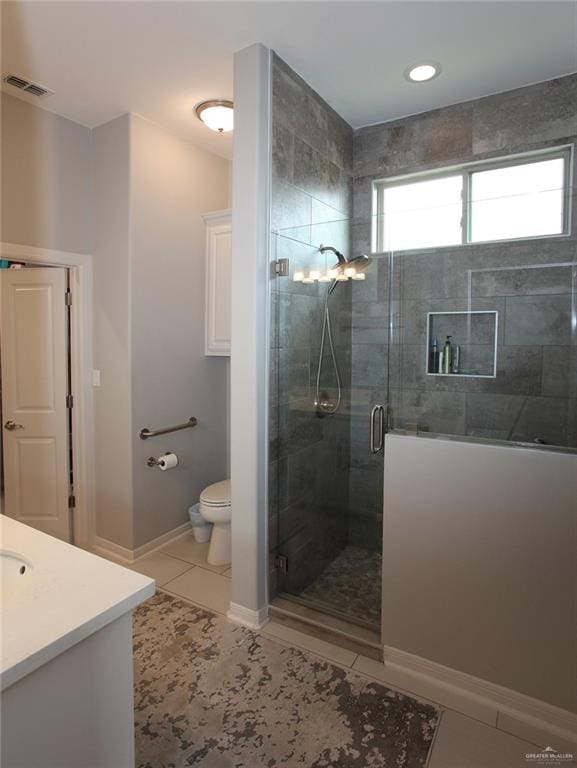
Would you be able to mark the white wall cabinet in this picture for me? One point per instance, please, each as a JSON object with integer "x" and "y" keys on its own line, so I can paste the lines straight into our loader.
{"x": 218, "y": 282}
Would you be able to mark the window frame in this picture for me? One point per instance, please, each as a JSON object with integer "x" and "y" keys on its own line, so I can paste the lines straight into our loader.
{"x": 466, "y": 171}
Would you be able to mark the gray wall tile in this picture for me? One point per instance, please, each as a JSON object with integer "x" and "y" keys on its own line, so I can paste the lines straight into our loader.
{"x": 527, "y": 116}
{"x": 442, "y": 412}
{"x": 422, "y": 141}
{"x": 559, "y": 375}
{"x": 538, "y": 320}
{"x": 311, "y": 201}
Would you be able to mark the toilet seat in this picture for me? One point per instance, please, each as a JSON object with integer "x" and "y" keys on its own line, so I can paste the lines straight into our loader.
{"x": 216, "y": 495}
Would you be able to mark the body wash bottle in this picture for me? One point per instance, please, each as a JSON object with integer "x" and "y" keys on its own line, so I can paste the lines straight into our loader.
{"x": 448, "y": 356}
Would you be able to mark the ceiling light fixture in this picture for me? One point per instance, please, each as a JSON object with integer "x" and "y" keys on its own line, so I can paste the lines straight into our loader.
{"x": 216, "y": 114}
{"x": 421, "y": 73}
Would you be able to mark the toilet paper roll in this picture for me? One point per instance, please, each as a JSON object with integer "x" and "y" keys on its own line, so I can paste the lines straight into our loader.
{"x": 168, "y": 461}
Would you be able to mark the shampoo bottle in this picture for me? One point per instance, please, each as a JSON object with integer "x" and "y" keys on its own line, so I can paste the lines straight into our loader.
{"x": 434, "y": 361}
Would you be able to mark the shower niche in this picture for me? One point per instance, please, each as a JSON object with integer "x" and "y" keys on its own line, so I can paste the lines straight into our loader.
{"x": 473, "y": 337}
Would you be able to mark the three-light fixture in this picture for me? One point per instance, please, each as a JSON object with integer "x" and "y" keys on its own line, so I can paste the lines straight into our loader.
{"x": 337, "y": 273}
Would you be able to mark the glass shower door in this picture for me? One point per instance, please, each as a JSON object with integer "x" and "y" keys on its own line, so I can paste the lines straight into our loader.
{"x": 329, "y": 369}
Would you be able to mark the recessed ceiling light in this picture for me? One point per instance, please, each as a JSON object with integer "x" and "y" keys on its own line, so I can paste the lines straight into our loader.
{"x": 216, "y": 114}
{"x": 420, "y": 73}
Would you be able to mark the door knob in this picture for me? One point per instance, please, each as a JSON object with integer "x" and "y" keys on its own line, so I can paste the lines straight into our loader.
{"x": 11, "y": 426}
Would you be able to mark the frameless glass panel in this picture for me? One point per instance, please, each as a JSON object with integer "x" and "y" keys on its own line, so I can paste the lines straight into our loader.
{"x": 507, "y": 317}
{"x": 518, "y": 201}
{"x": 422, "y": 214}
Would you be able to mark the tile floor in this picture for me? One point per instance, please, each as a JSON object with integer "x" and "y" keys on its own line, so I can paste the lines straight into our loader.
{"x": 181, "y": 569}
{"x": 467, "y": 738}
{"x": 351, "y": 584}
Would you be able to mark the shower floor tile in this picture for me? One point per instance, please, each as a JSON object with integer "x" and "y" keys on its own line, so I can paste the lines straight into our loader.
{"x": 351, "y": 585}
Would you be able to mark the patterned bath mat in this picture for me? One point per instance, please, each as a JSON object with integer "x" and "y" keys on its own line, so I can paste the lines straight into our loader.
{"x": 211, "y": 694}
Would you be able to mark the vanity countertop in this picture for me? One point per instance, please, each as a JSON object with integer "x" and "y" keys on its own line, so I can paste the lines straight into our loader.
{"x": 69, "y": 594}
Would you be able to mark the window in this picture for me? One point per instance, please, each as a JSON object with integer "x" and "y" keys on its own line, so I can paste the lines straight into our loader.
{"x": 423, "y": 214}
{"x": 501, "y": 200}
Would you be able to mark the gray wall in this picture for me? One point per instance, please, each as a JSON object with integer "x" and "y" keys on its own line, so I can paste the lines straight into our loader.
{"x": 489, "y": 587}
{"x": 132, "y": 195}
{"x": 535, "y": 391}
{"x": 172, "y": 184}
{"x": 111, "y": 312}
{"x": 46, "y": 196}
{"x": 311, "y": 199}
{"x": 149, "y": 307}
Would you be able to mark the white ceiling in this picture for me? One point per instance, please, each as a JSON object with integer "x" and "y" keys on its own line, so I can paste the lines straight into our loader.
{"x": 158, "y": 59}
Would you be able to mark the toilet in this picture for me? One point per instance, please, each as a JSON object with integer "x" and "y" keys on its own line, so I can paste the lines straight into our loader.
{"x": 215, "y": 508}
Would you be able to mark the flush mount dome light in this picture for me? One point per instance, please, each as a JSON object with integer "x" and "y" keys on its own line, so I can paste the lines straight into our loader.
{"x": 216, "y": 114}
{"x": 420, "y": 73}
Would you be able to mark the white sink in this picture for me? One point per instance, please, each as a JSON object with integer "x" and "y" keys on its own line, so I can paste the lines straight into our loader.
{"x": 15, "y": 573}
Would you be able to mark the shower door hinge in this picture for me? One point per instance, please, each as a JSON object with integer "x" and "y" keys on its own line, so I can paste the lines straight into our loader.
{"x": 68, "y": 299}
{"x": 281, "y": 267}
{"x": 281, "y": 562}
{"x": 71, "y": 501}
{"x": 69, "y": 401}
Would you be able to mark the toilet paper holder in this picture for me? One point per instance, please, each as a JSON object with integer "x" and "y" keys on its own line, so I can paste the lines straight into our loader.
{"x": 152, "y": 461}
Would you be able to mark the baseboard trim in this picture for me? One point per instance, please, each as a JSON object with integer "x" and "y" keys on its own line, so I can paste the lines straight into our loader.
{"x": 124, "y": 556}
{"x": 112, "y": 551}
{"x": 162, "y": 541}
{"x": 247, "y": 617}
{"x": 534, "y": 713}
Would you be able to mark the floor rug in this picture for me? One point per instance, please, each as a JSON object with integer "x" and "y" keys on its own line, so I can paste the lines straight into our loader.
{"x": 212, "y": 694}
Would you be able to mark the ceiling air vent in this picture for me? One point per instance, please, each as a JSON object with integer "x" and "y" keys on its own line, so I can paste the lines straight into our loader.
{"x": 27, "y": 86}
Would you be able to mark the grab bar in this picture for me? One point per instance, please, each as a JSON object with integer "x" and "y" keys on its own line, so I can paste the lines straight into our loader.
{"x": 146, "y": 433}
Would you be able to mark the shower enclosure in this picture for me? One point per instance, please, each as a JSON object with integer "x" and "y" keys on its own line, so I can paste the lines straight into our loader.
{"x": 352, "y": 343}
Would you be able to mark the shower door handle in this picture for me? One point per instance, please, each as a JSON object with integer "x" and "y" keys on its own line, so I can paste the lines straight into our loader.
{"x": 377, "y": 435}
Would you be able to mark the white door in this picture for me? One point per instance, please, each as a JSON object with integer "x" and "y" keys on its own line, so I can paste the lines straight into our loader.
{"x": 34, "y": 403}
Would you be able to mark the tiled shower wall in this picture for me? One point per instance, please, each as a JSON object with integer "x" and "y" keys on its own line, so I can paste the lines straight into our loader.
{"x": 535, "y": 391}
{"x": 309, "y": 456}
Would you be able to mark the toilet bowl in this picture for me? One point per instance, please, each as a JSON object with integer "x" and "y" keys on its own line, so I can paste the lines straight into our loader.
{"x": 215, "y": 508}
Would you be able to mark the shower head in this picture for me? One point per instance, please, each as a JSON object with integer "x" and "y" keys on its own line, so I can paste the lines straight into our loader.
{"x": 360, "y": 263}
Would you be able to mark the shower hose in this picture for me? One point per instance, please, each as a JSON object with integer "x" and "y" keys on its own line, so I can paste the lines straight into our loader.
{"x": 324, "y": 405}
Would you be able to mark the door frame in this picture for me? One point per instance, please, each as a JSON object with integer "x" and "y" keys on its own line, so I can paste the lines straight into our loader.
{"x": 80, "y": 271}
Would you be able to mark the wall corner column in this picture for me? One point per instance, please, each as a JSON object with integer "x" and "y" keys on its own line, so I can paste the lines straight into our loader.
{"x": 249, "y": 358}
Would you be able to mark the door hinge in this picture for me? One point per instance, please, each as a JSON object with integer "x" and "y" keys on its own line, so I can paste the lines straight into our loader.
{"x": 69, "y": 401}
{"x": 281, "y": 562}
{"x": 68, "y": 299}
{"x": 71, "y": 501}
{"x": 281, "y": 267}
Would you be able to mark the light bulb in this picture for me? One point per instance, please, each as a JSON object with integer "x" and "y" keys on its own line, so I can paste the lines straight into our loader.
{"x": 342, "y": 278}
{"x": 332, "y": 274}
{"x": 298, "y": 277}
{"x": 359, "y": 276}
{"x": 325, "y": 278}
{"x": 420, "y": 73}
{"x": 314, "y": 274}
{"x": 350, "y": 271}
